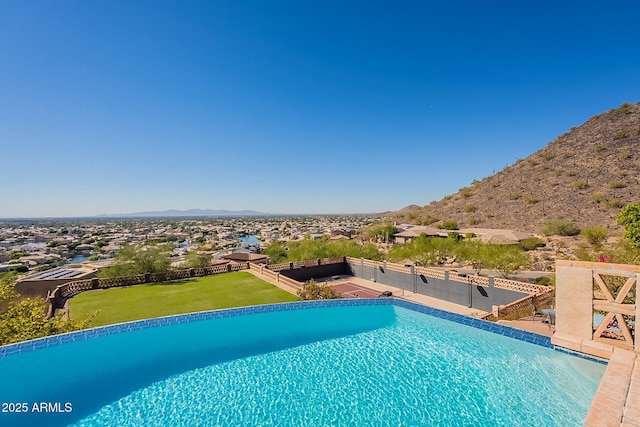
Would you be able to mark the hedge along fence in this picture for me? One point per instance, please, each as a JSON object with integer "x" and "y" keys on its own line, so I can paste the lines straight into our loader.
{"x": 498, "y": 282}
{"x": 310, "y": 263}
{"x": 59, "y": 296}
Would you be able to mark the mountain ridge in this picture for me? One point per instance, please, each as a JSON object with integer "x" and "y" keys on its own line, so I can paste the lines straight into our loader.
{"x": 585, "y": 175}
{"x": 184, "y": 213}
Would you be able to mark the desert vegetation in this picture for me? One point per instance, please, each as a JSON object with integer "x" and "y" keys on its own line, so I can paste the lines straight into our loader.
{"x": 25, "y": 318}
{"x": 307, "y": 249}
{"x": 434, "y": 251}
{"x": 592, "y": 162}
{"x": 314, "y": 291}
{"x": 559, "y": 227}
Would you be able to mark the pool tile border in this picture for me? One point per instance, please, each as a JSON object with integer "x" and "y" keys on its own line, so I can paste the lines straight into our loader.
{"x": 496, "y": 328}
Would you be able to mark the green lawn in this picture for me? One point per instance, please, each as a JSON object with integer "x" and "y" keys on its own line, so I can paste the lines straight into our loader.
{"x": 227, "y": 290}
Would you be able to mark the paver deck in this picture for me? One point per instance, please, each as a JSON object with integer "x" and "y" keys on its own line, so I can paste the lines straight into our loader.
{"x": 617, "y": 401}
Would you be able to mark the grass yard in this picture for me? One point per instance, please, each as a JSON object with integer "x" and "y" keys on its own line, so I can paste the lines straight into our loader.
{"x": 227, "y": 290}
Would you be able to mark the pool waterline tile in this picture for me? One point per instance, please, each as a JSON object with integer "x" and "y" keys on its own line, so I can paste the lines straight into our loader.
{"x": 498, "y": 329}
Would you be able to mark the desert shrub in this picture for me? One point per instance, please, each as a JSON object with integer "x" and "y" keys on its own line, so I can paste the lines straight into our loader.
{"x": 474, "y": 221}
{"x": 547, "y": 156}
{"x": 616, "y": 184}
{"x": 531, "y": 243}
{"x": 580, "y": 184}
{"x": 531, "y": 200}
{"x": 625, "y": 154}
{"x": 620, "y": 134}
{"x": 624, "y": 109}
{"x": 448, "y": 225}
{"x": 514, "y": 196}
{"x": 595, "y": 235}
{"x": 545, "y": 280}
{"x": 598, "y": 197}
{"x": 559, "y": 227}
{"x": 614, "y": 203}
{"x": 428, "y": 219}
{"x": 314, "y": 291}
{"x": 572, "y": 172}
{"x": 584, "y": 254}
{"x": 470, "y": 208}
{"x": 454, "y": 235}
{"x": 466, "y": 192}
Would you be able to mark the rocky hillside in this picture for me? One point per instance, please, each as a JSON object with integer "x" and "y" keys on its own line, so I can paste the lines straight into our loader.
{"x": 585, "y": 175}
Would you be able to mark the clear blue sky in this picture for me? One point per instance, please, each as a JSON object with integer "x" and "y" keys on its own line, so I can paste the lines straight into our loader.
{"x": 292, "y": 106}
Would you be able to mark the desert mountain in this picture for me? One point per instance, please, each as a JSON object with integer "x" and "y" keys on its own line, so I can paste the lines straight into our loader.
{"x": 585, "y": 175}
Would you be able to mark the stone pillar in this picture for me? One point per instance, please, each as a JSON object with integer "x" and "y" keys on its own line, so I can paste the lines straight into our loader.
{"x": 415, "y": 279}
{"x": 491, "y": 291}
{"x": 574, "y": 301}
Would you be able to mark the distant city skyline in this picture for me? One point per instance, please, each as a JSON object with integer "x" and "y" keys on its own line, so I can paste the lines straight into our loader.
{"x": 312, "y": 107}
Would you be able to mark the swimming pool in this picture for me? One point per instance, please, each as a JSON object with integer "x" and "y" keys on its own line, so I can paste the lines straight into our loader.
{"x": 357, "y": 362}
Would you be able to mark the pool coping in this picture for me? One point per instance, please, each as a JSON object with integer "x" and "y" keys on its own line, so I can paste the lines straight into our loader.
{"x": 530, "y": 337}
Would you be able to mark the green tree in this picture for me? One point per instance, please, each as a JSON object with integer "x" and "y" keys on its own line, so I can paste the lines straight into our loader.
{"x": 595, "y": 235}
{"x": 506, "y": 259}
{"x": 276, "y": 252}
{"x": 198, "y": 260}
{"x": 131, "y": 260}
{"x": 320, "y": 248}
{"x": 475, "y": 253}
{"x": 380, "y": 233}
{"x": 25, "y": 318}
{"x": 425, "y": 250}
{"x": 629, "y": 217}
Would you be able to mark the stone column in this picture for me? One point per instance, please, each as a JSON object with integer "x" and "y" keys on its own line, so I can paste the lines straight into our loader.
{"x": 574, "y": 301}
{"x": 491, "y": 291}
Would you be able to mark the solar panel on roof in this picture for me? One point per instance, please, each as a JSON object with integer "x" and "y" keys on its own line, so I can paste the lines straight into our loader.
{"x": 74, "y": 273}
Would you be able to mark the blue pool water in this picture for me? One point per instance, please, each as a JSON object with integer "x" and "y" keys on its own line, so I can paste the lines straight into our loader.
{"x": 345, "y": 365}
{"x": 249, "y": 240}
{"x": 78, "y": 259}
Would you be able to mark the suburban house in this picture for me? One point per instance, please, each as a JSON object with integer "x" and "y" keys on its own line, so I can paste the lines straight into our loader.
{"x": 488, "y": 235}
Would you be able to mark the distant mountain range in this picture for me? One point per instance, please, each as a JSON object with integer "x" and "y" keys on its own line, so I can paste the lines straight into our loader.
{"x": 585, "y": 175}
{"x": 186, "y": 213}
